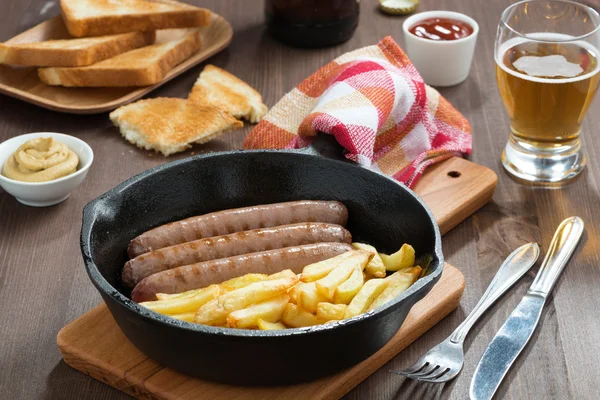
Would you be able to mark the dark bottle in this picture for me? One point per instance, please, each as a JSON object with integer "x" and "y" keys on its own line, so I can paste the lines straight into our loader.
{"x": 312, "y": 23}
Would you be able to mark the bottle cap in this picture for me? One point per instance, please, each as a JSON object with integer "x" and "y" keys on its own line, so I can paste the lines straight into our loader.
{"x": 398, "y": 7}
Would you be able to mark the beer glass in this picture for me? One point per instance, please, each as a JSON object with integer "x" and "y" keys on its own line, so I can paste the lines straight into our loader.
{"x": 547, "y": 72}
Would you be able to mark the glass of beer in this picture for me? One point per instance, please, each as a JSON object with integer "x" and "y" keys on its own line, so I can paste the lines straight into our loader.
{"x": 547, "y": 71}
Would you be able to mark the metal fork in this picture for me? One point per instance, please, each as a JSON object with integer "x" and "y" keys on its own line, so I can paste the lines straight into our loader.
{"x": 444, "y": 361}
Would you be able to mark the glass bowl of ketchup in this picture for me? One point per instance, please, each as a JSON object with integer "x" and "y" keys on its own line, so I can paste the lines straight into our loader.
{"x": 441, "y": 44}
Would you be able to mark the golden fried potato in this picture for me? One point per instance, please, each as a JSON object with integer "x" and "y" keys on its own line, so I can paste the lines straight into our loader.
{"x": 403, "y": 258}
{"x": 187, "y": 293}
{"x": 327, "y": 285}
{"x": 293, "y": 292}
{"x": 363, "y": 299}
{"x": 296, "y": 317}
{"x": 347, "y": 290}
{"x": 331, "y": 290}
{"x": 318, "y": 270}
{"x": 227, "y": 286}
{"x": 170, "y": 296}
{"x": 179, "y": 305}
{"x": 270, "y": 326}
{"x": 286, "y": 273}
{"x": 241, "y": 281}
{"x": 256, "y": 292}
{"x": 269, "y": 311}
{"x": 398, "y": 282}
{"x": 211, "y": 314}
{"x": 375, "y": 268}
{"x": 308, "y": 297}
{"x": 329, "y": 312}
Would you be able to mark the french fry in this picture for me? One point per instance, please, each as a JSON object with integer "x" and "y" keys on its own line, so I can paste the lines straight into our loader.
{"x": 269, "y": 311}
{"x": 347, "y": 290}
{"x": 403, "y": 258}
{"x": 308, "y": 297}
{"x": 241, "y": 281}
{"x": 327, "y": 285}
{"x": 189, "y": 317}
{"x": 270, "y": 326}
{"x": 316, "y": 271}
{"x": 170, "y": 296}
{"x": 331, "y": 290}
{"x": 398, "y": 282}
{"x": 184, "y": 304}
{"x": 293, "y": 292}
{"x": 296, "y": 317}
{"x": 286, "y": 273}
{"x": 329, "y": 312}
{"x": 211, "y": 314}
{"x": 256, "y": 292}
{"x": 375, "y": 268}
{"x": 363, "y": 299}
{"x": 227, "y": 286}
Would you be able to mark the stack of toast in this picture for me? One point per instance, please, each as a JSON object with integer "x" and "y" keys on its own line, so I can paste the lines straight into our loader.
{"x": 113, "y": 43}
{"x": 168, "y": 125}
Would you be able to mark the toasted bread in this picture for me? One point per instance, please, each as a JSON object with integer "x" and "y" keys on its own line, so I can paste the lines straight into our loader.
{"x": 170, "y": 125}
{"x": 221, "y": 89}
{"x": 106, "y": 17}
{"x": 73, "y": 52}
{"x": 141, "y": 67}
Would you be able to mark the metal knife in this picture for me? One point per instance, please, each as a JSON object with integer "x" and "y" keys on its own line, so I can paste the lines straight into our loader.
{"x": 518, "y": 328}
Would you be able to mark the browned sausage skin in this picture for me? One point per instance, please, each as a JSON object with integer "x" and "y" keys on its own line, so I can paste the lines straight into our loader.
{"x": 202, "y": 274}
{"x": 233, "y": 244}
{"x": 237, "y": 220}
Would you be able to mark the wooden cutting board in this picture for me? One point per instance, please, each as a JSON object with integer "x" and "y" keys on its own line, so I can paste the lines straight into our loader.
{"x": 94, "y": 344}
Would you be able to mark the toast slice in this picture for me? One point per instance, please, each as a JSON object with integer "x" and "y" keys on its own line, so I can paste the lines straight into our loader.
{"x": 219, "y": 88}
{"x": 106, "y": 17}
{"x": 170, "y": 125}
{"x": 73, "y": 52}
{"x": 141, "y": 67}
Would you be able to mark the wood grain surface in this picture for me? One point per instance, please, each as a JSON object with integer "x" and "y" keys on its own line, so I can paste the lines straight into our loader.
{"x": 43, "y": 285}
{"x": 95, "y": 345}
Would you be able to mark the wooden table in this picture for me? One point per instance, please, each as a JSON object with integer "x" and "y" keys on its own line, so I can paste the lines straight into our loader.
{"x": 43, "y": 285}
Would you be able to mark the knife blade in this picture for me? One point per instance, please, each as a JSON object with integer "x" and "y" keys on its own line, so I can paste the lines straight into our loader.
{"x": 512, "y": 337}
{"x": 506, "y": 346}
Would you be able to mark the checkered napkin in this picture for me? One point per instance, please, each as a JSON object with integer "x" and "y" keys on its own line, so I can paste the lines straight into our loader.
{"x": 376, "y": 105}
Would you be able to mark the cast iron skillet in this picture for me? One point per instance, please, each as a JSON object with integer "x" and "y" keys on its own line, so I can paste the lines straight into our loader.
{"x": 382, "y": 212}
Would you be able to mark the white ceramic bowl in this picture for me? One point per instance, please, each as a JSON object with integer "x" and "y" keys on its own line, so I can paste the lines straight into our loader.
{"x": 443, "y": 62}
{"x": 45, "y": 194}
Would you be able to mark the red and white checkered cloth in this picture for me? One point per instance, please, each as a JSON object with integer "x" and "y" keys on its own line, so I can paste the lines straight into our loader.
{"x": 376, "y": 105}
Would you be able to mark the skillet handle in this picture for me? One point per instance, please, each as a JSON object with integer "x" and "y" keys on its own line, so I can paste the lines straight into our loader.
{"x": 325, "y": 145}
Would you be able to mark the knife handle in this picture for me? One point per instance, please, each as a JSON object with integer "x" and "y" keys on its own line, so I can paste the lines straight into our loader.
{"x": 561, "y": 248}
{"x": 511, "y": 270}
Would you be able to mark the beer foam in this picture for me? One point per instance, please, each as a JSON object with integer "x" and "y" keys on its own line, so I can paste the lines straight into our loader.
{"x": 546, "y": 67}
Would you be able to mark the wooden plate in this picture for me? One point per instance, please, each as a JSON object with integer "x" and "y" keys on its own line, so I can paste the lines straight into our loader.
{"x": 23, "y": 82}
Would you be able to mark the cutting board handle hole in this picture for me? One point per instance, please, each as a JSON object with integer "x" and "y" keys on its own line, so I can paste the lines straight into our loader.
{"x": 454, "y": 174}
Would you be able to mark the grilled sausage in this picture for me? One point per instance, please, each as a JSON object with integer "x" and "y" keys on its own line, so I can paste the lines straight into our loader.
{"x": 202, "y": 274}
{"x": 233, "y": 244}
{"x": 237, "y": 220}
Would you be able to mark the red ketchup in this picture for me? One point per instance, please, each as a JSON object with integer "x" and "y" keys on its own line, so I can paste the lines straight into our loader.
{"x": 441, "y": 29}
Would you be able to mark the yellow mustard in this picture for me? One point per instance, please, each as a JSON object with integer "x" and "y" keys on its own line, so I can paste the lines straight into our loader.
{"x": 40, "y": 160}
